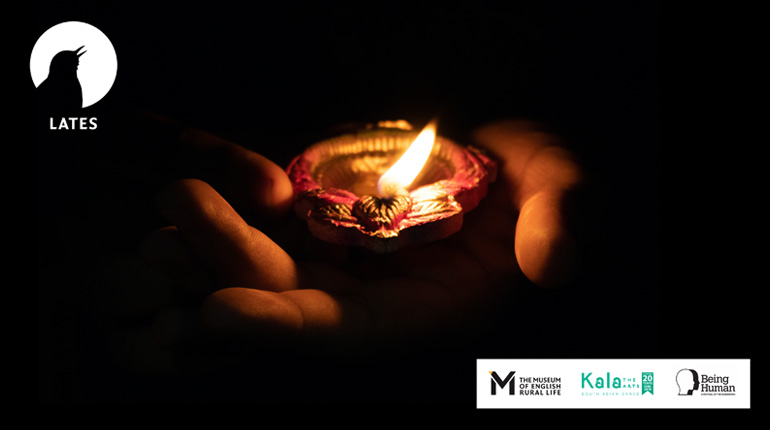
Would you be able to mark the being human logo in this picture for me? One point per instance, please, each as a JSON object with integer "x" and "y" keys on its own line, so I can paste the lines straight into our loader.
{"x": 73, "y": 66}
{"x": 690, "y": 381}
{"x": 687, "y": 381}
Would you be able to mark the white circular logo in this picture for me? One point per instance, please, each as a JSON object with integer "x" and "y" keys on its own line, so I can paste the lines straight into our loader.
{"x": 70, "y": 45}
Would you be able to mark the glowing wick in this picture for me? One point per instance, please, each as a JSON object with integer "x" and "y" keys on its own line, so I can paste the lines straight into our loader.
{"x": 403, "y": 173}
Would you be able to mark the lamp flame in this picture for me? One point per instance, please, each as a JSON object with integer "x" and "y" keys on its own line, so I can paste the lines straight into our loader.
{"x": 401, "y": 175}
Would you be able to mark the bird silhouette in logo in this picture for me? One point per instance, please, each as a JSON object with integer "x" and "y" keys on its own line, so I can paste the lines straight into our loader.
{"x": 61, "y": 92}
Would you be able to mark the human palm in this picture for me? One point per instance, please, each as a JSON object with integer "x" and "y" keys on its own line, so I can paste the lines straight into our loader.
{"x": 268, "y": 281}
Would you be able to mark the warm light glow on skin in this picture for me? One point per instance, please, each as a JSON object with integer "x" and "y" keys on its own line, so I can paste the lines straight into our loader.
{"x": 403, "y": 173}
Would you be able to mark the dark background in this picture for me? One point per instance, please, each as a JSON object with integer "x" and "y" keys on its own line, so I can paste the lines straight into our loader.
{"x": 273, "y": 75}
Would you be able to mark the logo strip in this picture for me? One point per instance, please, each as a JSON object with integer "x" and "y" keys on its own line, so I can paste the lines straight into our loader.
{"x": 614, "y": 383}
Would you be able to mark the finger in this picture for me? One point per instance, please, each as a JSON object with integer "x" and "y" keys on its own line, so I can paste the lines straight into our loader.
{"x": 546, "y": 250}
{"x": 380, "y": 313}
{"x": 226, "y": 246}
{"x": 532, "y": 159}
{"x": 543, "y": 177}
{"x": 310, "y": 317}
{"x": 270, "y": 316}
{"x": 248, "y": 179}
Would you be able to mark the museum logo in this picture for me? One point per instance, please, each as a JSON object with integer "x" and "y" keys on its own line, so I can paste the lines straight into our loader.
{"x": 73, "y": 66}
{"x": 527, "y": 385}
{"x": 509, "y": 380}
{"x": 690, "y": 382}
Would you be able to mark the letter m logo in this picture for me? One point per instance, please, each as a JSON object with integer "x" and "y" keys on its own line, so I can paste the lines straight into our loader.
{"x": 496, "y": 381}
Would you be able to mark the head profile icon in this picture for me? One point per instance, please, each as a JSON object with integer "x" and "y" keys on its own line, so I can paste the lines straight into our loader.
{"x": 61, "y": 91}
{"x": 687, "y": 380}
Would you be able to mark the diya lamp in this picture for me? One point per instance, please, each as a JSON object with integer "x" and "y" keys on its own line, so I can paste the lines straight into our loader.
{"x": 386, "y": 187}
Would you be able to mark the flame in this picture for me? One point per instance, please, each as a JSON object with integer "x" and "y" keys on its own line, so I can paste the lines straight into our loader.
{"x": 400, "y": 175}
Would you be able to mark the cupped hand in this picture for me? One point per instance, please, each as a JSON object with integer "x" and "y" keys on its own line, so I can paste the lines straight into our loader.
{"x": 287, "y": 289}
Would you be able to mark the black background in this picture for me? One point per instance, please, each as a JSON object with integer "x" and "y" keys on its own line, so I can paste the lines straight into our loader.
{"x": 271, "y": 75}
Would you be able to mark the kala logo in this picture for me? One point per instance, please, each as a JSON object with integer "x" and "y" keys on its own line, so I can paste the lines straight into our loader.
{"x": 509, "y": 380}
{"x": 612, "y": 385}
{"x": 73, "y": 66}
{"x": 599, "y": 382}
{"x": 648, "y": 383}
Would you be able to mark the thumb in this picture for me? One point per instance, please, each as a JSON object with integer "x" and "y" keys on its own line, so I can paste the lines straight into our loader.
{"x": 546, "y": 250}
{"x": 544, "y": 178}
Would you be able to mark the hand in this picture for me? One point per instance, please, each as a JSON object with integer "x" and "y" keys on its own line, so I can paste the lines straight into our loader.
{"x": 274, "y": 289}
